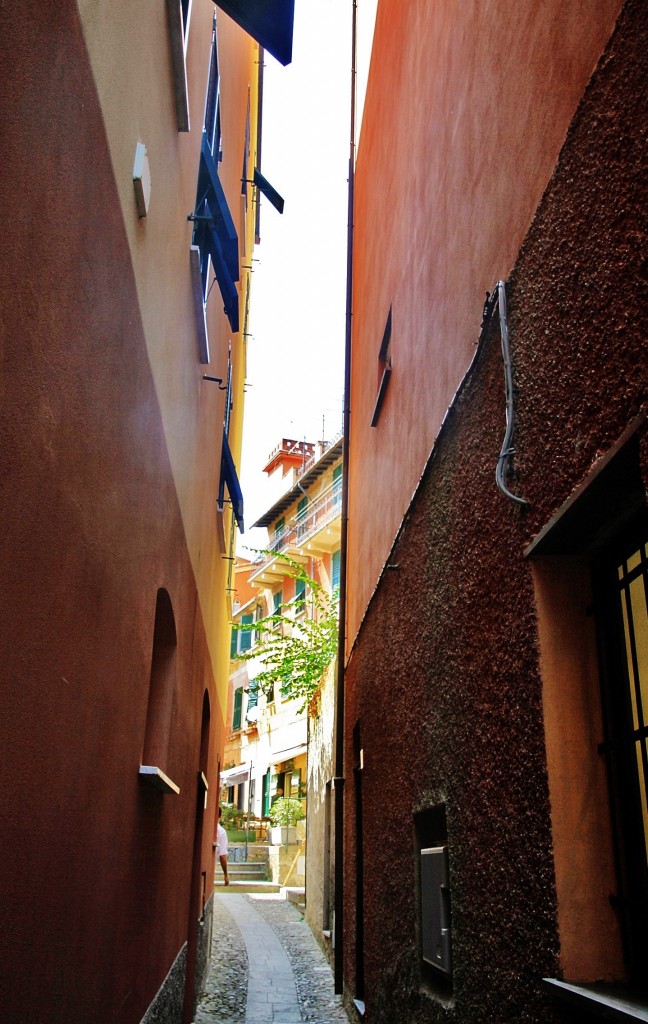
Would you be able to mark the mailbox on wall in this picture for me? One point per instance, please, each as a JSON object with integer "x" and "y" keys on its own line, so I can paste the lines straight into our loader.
{"x": 435, "y": 908}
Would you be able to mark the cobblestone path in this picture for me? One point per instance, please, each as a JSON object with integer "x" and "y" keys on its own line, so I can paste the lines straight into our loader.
{"x": 266, "y": 967}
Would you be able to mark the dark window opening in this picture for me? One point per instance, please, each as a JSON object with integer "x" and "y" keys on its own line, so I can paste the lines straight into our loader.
{"x": 384, "y": 369}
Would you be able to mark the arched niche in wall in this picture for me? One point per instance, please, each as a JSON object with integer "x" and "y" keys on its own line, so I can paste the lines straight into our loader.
{"x": 161, "y": 690}
{"x": 203, "y": 785}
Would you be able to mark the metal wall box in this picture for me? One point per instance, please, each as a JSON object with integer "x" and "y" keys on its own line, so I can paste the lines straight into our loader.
{"x": 435, "y": 908}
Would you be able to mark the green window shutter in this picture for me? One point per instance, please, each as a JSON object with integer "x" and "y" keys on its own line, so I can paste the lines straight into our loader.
{"x": 302, "y": 506}
{"x": 238, "y": 707}
{"x": 265, "y": 794}
{"x": 337, "y": 485}
{"x": 300, "y": 593}
{"x": 234, "y": 644}
{"x": 246, "y": 634}
{"x": 335, "y": 570}
{"x": 253, "y": 695}
{"x": 277, "y": 601}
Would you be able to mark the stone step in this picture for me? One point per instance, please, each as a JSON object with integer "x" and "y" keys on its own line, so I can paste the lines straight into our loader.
{"x": 295, "y": 894}
{"x": 244, "y": 886}
{"x": 244, "y": 870}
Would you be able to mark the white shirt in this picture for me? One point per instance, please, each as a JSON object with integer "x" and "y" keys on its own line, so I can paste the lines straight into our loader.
{"x": 221, "y": 841}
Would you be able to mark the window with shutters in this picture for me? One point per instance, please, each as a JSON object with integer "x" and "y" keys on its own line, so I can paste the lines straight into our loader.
{"x": 246, "y": 635}
{"x": 300, "y": 595}
{"x": 215, "y": 246}
{"x": 337, "y": 485}
{"x": 335, "y": 571}
{"x": 253, "y": 696}
{"x": 277, "y": 607}
{"x": 302, "y": 517}
{"x": 279, "y": 530}
{"x": 238, "y": 708}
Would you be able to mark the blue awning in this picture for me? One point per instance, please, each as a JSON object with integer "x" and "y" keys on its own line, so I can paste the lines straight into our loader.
{"x": 270, "y": 22}
{"x": 229, "y": 479}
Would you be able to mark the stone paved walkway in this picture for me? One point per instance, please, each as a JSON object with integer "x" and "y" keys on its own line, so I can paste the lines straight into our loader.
{"x": 266, "y": 967}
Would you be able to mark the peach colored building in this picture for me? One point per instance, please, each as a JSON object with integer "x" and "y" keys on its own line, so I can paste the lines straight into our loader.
{"x": 268, "y": 735}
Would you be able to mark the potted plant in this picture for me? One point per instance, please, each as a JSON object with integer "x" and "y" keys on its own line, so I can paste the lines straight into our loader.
{"x": 284, "y": 815}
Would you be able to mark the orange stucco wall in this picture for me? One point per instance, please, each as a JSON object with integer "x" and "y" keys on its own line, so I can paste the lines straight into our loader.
{"x": 135, "y": 89}
{"x": 467, "y": 107}
{"x": 110, "y": 445}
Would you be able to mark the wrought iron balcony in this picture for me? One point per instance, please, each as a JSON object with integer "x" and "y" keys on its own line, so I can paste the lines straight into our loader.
{"x": 312, "y": 532}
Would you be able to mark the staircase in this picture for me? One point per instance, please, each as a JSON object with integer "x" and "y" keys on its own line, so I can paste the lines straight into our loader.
{"x": 245, "y": 875}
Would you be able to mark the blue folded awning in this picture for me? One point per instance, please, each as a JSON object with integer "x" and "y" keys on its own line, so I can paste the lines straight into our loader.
{"x": 270, "y": 22}
{"x": 229, "y": 479}
{"x": 226, "y": 286}
{"x": 210, "y": 188}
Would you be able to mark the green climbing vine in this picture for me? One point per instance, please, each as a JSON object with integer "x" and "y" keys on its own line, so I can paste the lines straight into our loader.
{"x": 298, "y": 641}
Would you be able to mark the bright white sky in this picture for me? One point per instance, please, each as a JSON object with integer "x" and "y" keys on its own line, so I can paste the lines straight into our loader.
{"x": 295, "y": 369}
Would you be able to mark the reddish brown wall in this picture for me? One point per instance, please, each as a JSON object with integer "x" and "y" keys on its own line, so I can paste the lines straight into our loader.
{"x": 444, "y": 680}
{"x": 467, "y": 106}
{"x": 95, "y": 867}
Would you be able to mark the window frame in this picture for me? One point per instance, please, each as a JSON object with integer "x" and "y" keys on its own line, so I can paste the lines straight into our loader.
{"x": 630, "y": 832}
{"x": 384, "y": 369}
{"x": 179, "y": 17}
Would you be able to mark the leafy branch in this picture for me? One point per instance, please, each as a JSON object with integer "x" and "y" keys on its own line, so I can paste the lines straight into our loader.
{"x": 295, "y": 651}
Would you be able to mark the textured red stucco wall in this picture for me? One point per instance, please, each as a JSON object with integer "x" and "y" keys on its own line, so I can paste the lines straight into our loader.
{"x": 467, "y": 106}
{"x": 95, "y": 869}
{"x": 444, "y": 681}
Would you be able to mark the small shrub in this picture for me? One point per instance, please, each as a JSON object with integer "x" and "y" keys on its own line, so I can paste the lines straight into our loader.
{"x": 286, "y": 811}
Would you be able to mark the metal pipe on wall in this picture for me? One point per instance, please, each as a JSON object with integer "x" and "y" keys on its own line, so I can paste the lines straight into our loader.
{"x": 339, "y": 678}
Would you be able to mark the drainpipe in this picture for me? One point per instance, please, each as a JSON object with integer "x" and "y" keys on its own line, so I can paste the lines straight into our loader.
{"x": 338, "y": 780}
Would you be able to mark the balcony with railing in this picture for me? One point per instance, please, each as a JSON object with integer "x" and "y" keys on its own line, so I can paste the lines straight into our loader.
{"x": 312, "y": 532}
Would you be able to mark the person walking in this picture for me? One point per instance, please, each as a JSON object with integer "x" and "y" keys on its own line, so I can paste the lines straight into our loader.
{"x": 222, "y": 847}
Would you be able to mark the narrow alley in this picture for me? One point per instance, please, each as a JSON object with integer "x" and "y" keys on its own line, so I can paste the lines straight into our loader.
{"x": 265, "y": 966}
